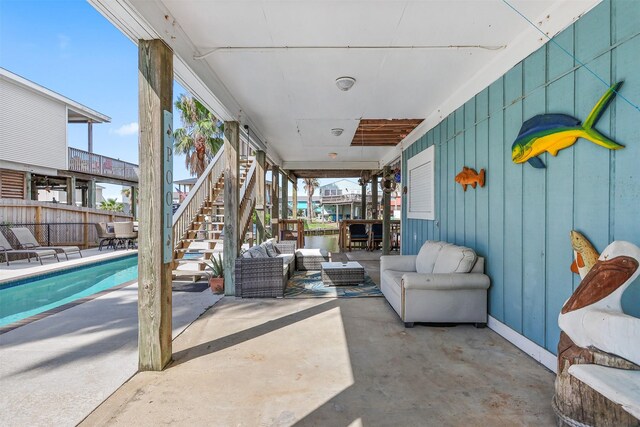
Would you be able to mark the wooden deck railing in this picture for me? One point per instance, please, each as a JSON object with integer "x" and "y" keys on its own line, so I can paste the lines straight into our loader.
{"x": 96, "y": 164}
{"x": 205, "y": 188}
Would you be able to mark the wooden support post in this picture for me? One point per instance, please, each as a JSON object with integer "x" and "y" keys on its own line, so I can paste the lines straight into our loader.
{"x": 294, "y": 196}
{"x": 155, "y": 86}
{"x": 260, "y": 195}
{"x": 231, "y": 204}
{"x": 386, "y": 217}
{"x": 363, "y": 204}
{"x": 27, "y": 183}
{"x": 85, "y": 229}
{"x": 352, "y": 211}
{"x": 374, "y": 197}
{"x": 91, "y": 194}
{"x": 134, "y": 202}
{"x": 275, "y": 201}
{"x": 71, "y": 191}
{"x": 284, "y": 211}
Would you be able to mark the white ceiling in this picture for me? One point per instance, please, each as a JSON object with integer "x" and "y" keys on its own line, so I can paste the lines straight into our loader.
{"x": 289, "y": 95}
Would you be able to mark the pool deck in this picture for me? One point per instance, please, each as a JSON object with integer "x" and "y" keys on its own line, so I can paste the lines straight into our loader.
{"x": 59, "y": 368}
{"x": 22, "y": 269}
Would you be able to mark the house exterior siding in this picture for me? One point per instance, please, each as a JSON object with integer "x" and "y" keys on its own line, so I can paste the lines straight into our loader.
{"x": 520, "y": 221}
{"x": 33, "y": 128}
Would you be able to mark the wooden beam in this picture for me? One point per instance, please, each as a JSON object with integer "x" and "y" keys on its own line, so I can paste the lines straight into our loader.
{"x": 327, "y": 173}
{"x": 275, "y": 201}
{"x": 155, "y": 94}
{"x": 231, "y": 204}
{"x": 386, "y": 217}
{"x": 260, "y": 195}
{"x": 284, "y": 211}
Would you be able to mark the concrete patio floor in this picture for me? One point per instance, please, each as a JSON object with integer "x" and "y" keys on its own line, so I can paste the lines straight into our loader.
{"x": 332, "y": 362}
{"x": 56, "y": 370}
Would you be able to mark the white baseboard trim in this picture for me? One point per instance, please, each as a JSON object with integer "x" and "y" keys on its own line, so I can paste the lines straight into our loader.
{"x": 540, "y": 354}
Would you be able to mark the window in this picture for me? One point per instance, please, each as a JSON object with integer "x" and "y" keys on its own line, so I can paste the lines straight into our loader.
{"x": 420, "y": 184}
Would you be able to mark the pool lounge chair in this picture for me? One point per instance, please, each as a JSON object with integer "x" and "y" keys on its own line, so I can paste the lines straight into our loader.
{"x": 27, "y": 241}
{"x": 6, "y": 249}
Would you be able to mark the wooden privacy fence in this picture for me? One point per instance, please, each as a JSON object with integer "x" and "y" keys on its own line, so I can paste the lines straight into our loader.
{"x": 55, "y": 224}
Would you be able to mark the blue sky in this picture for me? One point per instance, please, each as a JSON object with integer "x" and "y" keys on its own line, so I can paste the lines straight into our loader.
{"x": 68, "y": 47}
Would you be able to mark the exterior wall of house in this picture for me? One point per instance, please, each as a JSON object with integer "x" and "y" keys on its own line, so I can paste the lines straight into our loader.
{"x": 520, "y": 221}
{"x": 33, "y": 128}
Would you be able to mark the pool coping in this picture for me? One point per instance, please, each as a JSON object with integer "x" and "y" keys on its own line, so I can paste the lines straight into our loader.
{"x": 44, "y": 270}
{"x": 15, "y": 325}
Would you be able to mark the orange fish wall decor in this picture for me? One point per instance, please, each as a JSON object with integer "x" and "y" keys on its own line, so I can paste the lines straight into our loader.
{"x": 469, "y": 176}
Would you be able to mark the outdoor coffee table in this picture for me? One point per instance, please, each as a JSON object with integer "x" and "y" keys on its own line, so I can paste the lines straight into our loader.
{"x": 342, "y": 273}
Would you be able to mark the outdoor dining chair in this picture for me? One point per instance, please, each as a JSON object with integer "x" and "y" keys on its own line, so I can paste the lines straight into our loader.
{"x": 28, "y": 241}
{"x": 104, "y": 236}
{"x": 124, "y": 234}
{"x": 358, "y": 233}
{"x": 6, "y": 249}
{"x": 376, "y": 236}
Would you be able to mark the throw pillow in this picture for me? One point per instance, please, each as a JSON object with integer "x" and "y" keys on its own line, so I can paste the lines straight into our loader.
{"x": 427, "y": 256}
{"x": 272, "y": 251}
{"x": 455, "y": 259}
{"x": 260, "y": 252}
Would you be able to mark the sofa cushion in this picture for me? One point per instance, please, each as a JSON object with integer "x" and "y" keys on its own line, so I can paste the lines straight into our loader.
{"x": 287, "y": 258}
{"x": 272, "y": 251}
{"x": 313, "y": 252}
{"x": 247, "y": 254}
{"x": 258, "y": 252}
{"x": 454, "y": 259}
{"x": 428, "y": 255}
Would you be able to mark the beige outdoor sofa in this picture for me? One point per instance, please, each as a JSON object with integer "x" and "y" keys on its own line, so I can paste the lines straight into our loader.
{"x": 444, "y": 283}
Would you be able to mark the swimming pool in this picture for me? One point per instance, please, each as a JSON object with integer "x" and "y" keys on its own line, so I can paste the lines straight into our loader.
{"x": 27, "y": 297}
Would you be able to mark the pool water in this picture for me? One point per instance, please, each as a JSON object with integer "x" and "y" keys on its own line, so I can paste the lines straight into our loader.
{"x": 28, "y": 297}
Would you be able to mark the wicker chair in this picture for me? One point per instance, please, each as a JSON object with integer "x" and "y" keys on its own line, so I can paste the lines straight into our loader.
{"x": 264, "y": 277}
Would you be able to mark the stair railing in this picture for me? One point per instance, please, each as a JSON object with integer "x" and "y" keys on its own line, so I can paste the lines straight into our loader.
{"x": 202, "y": 191}
{"x": 247, "y": 201}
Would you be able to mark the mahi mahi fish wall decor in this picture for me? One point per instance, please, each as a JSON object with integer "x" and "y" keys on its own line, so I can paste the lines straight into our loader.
{"x": 555, "y": 132}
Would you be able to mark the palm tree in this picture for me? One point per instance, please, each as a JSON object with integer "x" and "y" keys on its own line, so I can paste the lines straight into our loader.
{"x": 200, "y": 138}
{"x": 111, "y": 205}
{"x": 310, "y": 185}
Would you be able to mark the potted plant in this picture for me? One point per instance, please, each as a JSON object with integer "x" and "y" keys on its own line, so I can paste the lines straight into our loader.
{"x": 215, "y": 270}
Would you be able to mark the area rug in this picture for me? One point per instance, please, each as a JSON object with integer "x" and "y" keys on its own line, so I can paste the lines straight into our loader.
{"x": 308, "y": 284}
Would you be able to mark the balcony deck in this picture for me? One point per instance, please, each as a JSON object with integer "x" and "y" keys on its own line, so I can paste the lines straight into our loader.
{"x": 98, "y": 165}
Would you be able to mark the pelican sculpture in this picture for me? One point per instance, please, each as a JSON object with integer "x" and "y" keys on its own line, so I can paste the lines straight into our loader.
{"x": 593, "y": 317}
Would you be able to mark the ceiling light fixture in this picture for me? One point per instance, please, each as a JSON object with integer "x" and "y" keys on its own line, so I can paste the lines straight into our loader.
{"x": 333, "y": 155}
{"x": 337, "y": 131}
{"x": 345, "y": 83}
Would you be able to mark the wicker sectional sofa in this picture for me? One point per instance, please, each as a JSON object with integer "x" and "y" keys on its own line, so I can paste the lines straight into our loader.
{"x": 263, "y": 270}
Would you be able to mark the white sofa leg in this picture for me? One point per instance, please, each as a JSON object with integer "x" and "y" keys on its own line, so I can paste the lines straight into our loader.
{"x": 408, "y": 324}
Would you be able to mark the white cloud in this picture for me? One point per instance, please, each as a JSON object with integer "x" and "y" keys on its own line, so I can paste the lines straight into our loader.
{"x": 124, "y": 130}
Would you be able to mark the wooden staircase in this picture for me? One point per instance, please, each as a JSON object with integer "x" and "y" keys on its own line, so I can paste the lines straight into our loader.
{"x": 198, "y": 223}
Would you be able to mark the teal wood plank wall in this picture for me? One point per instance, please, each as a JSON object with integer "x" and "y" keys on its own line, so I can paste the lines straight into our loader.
{"x": 520, "y": 221}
